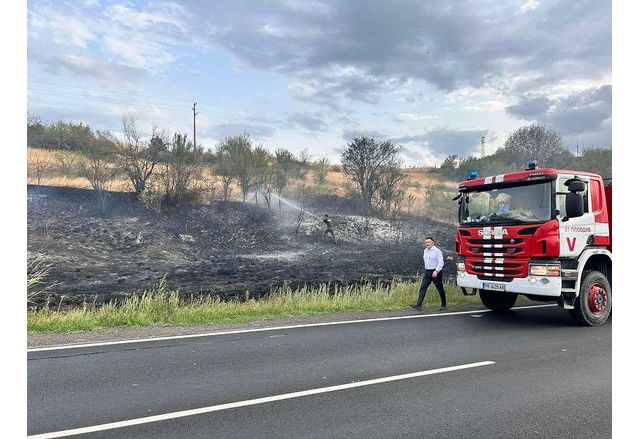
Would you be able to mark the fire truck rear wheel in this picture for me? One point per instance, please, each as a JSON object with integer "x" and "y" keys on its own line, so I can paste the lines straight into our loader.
{"x": 497, "y": 300}
{"x": 593, "y": 305}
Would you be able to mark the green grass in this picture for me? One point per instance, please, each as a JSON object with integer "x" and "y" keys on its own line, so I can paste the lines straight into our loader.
{"x": 160, "y": 307}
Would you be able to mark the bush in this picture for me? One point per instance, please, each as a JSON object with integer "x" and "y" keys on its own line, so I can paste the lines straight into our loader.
{"x": 439, "y": 204}
{"x": 37, "y": 273}
{"x": 39, "y": 164}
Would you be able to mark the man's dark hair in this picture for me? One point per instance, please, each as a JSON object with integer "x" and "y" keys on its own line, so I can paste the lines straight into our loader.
{"x": 429, "y": 237}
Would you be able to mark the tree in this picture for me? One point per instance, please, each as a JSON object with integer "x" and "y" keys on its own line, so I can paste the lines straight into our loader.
{"x": 449, "y": 166}
{"x": 223, "y": 168}
{"x": 235, "y": 162}
{"x": 285, "y": 163}
{"x": 39, "y": 163}
{"x": 97, "y": 166}
{"x": 366, "y": 164}
{"x": 66, "y": 162}
{"x": 596, "y": 160}
{"x": 180, "y": 169}
{"x": 262, "y": 175}
{"x": 66, "y": 135}
{"x": 304, "y": 158}
{"x": 320, "y": 170}
{"x": 535, "y": 142}
{"x": 35, "y": 130}
{"x": 392, "y": 190}
{"x": 137, "y": 158}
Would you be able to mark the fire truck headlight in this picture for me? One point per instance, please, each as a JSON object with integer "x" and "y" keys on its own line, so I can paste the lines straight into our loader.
{"x": 460, "y": 266}
{"x": 544, "y": 270}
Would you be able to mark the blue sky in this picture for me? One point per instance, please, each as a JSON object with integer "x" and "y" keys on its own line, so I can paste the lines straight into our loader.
{"x": 432, "y": 77}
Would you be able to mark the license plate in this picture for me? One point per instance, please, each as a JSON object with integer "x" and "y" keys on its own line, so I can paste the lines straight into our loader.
{"x": 493, "y": 286}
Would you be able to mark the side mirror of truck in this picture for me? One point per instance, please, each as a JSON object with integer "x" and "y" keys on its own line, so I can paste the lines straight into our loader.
{"x": 574, "y": 205}
{"x": 574, "y": 202}
{"x": 576, "y": 185}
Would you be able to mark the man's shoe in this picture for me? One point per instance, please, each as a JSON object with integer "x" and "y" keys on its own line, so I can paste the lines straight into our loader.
{"x": 416, "y": 307}
{"x": 443, "y": 308}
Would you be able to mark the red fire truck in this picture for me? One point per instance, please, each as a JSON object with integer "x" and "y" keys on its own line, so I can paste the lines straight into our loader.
{"x": 543, "y": 233}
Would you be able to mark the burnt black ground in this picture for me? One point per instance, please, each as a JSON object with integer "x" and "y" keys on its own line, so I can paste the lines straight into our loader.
{"x": 218, "y": 249}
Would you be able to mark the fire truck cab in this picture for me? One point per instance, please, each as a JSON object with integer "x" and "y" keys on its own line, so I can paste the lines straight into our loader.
{"x": 543, "y": 233}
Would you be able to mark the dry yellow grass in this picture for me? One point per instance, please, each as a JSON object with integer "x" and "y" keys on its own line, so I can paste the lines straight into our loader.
{"x": 78, "y": 182}
{"x": 52, "y": 174}
{"x": 47, "y": 154}
{"x": 418, "y": 180}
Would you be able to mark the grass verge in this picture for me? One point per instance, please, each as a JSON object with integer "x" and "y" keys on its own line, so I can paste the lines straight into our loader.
{"x": 158, "y": 306}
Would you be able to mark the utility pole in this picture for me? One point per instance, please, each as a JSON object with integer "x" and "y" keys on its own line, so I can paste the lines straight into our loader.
{"x": 194, "y": 130}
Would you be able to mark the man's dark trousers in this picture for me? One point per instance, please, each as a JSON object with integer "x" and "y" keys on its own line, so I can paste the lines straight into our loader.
{"x": 426, "y": 281}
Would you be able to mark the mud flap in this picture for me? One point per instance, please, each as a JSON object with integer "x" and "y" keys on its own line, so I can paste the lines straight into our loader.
{"x": 472, "y": 292}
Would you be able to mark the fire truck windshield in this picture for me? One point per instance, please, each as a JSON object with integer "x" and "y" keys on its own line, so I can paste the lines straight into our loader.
{"x": 529, "y": 203}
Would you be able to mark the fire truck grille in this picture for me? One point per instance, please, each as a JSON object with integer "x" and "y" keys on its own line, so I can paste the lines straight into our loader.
{"x": 511, "y": 241}
{"x": 500, "y": 256}
{"x": 497, "y": 267}
{"x": 500, "y": 250}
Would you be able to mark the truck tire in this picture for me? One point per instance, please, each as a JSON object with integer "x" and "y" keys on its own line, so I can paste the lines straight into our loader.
{"x": 593, "y": 305}
{"x": 497, "y": 300}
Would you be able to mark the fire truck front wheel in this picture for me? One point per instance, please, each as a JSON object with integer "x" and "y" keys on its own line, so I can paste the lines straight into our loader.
{"x": 497, "y": 300}
{"x": 593, "y": 306}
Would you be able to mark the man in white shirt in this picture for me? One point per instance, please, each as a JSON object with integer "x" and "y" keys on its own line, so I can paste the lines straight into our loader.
{"x": 433, "y": 263}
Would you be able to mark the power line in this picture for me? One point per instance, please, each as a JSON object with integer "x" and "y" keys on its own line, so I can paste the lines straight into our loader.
{"x": 98, "y": 90}
{"x": 142, "y": 105}
{"x": 106, "y": 99}
{"x": 102, "y": 90}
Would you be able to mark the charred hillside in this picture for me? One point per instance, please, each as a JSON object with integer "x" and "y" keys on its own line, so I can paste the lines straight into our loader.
{"x": 224, "y": 249}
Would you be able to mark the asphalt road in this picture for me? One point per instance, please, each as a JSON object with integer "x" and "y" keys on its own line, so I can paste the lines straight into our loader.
{"x": 531, "y": 374}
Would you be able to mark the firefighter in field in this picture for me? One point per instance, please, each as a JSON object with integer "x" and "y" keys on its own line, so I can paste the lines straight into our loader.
{"x": 329, "y": 227}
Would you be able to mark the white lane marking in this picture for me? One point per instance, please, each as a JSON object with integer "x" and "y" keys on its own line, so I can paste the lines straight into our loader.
{"x": 233, "y": 405}
{"x": 274, "y": 328}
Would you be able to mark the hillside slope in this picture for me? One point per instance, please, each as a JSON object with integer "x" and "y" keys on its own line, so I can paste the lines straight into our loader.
{"x": 212, "y": 249}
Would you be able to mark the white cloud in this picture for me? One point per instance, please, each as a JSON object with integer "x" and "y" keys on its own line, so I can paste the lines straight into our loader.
{"x": 415, "y": 117}
{"x": 485, "y": 105}
{"x": 528, "y": 6}
{"x": 36, "y": 21}
{"x": 138, "y": 52}
{"x": 144, "y": 20}
{"x": 345, "y": 56}
{"x": 115, "y": 76}
{"x": 64, "y": 30}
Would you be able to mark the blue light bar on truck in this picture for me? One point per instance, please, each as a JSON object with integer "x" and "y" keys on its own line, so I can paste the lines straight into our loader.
{"x": 472, "y": 175}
